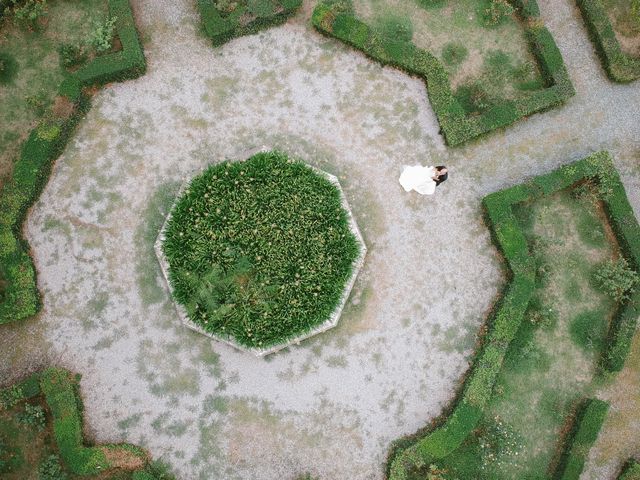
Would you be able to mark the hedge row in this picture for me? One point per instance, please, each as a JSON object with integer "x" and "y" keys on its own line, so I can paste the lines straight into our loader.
{"x": 620, "y": 66}
{"x": 44, "y": 144}
{"x": 630, "y": 471}
{"x": 245, "y": 19}
{"x": 588, "y": 423}
{"x": 509, "y": 311}
{"x": 337, "y": 20}
{"x": 61, "y": 394}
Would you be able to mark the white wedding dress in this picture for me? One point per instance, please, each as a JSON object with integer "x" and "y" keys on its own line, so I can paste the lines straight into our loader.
{"x": 418, "y": 178}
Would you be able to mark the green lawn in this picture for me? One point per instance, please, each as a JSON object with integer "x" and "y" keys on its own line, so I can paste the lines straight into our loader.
{"x": 38, "y": 71}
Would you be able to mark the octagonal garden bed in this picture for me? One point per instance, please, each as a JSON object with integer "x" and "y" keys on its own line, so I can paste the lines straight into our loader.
{"x": 260, "y": 253}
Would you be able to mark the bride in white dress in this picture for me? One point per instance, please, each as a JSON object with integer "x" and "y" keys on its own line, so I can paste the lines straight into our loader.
{"x": 423, "y": 180}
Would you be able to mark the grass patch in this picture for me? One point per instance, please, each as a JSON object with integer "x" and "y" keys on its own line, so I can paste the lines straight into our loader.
{"x": 589, "y": 329}
{"x": 260, "y": 250}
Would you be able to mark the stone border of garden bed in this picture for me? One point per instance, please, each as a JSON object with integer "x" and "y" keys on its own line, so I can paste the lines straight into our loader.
{"x": 462, "y": 417}
{"x": 337, "y": 20}
{"x": 45, "y": 143}
{"x": 222, "y": 29}
{"x": 620, "y": 67}
{"x": 333, "y": 319}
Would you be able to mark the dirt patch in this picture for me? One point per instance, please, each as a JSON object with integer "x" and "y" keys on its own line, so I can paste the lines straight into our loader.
{"x": 123, "y": 459}
{"x": 62, "y": 107}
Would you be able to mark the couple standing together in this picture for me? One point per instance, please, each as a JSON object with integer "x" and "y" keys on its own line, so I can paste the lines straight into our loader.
{"x": 423, "y": 180}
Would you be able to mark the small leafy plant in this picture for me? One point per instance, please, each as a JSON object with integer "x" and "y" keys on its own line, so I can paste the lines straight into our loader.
{"x": 33, "y": 416}
{"x": 72, "y": 55}
{"x": 101, "y": 37}
{"x": 10, "y": 397}
{"x": 495, "y": 12}
{"x": 27, "y": 14}
{"x": 616, "y": 279}
{"x": 51, "y": 469}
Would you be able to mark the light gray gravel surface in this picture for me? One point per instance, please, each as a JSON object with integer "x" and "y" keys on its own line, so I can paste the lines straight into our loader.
{"x": 332, "y": 405}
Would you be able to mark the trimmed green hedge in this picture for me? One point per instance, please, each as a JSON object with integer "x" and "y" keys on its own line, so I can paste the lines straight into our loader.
{"x": 589, "y": 420}
{"x": 508, "y": 313}
{"x": 337, "y": 20}
{"x": 45, "y": 143}
{"x": 630, "y": 471}
{"x": 61, "y": 394}
{"x": 248, "y": 16}
{"x": 620, "y": 66}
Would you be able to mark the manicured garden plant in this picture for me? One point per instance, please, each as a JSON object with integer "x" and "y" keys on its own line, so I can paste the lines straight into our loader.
{"x": 224, "y": 19}
{"x": 259, "y": 250}
{"x": 620, "y": 66}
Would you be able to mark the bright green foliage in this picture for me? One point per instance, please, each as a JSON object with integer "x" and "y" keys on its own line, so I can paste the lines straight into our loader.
{"x": 20, "y": 298}
{"x": 458, "y": 124}
{"x": 620, "y": 66}
{"x": 51, "y": 469}
{"x": 226, "y": 19}
{"x": 616, "y": 279}
{"x": 101, "y": 37}
{"x": 259, "y": 250}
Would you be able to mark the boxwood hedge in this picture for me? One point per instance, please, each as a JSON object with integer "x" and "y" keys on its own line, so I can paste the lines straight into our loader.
{"x": 223, "y": 20}
{"x": 336, "y": 19}
{"x": 60, "y": 389}
{"x": 21, "y": 298}
{"x": 591, "y": 415}
{"x": 620, "y": 66}
{"x": 468, "y": 408}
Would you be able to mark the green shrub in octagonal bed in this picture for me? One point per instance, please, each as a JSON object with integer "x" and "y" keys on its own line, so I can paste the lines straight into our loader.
{"x": 259, "y": 251}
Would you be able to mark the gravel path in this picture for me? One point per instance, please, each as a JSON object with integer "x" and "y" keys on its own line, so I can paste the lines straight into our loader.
{"x": 332, "y": 405}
